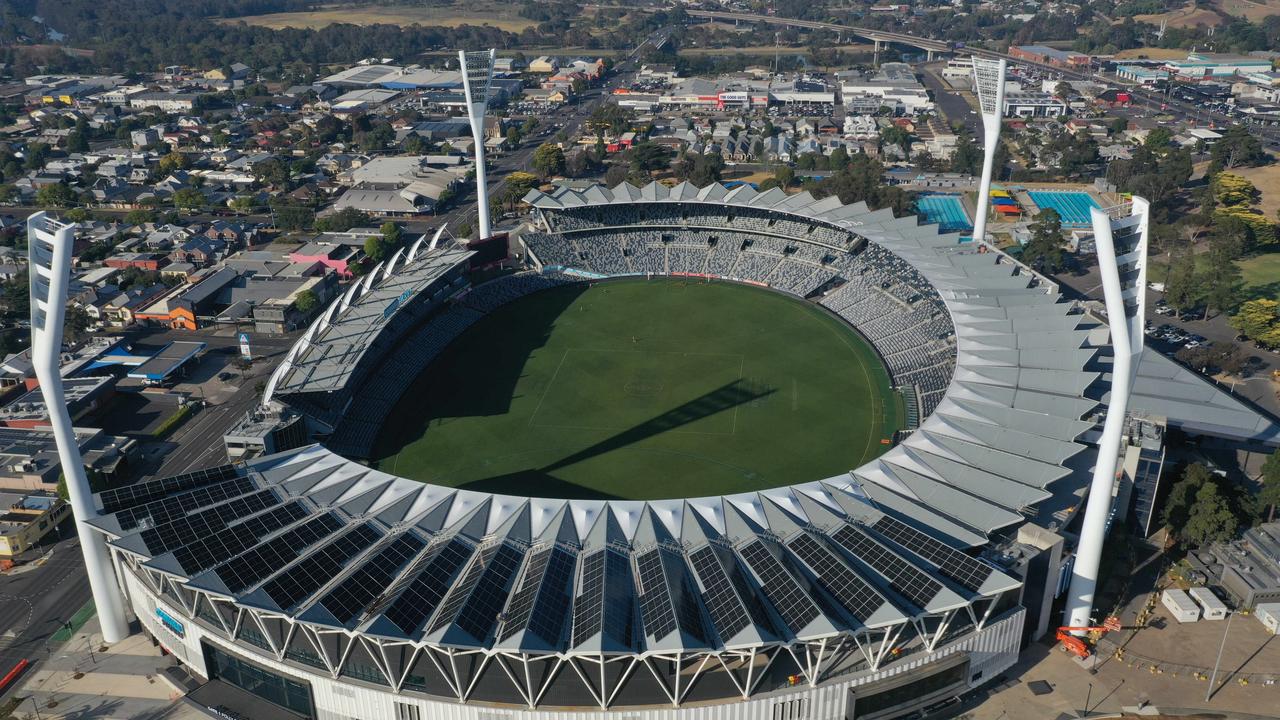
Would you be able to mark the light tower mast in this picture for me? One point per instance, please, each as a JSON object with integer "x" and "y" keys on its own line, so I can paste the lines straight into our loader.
{"x": 50, "y": 244}
{"x": 1121, "y": 240}
{"x": 988, "y": 83}
{"x": 477, "y": 77}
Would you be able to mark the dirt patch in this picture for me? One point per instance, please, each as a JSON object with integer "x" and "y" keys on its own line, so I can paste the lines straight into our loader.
{"x": 1253, "y": 10}
{"x": 505, "y": 19}
{"x": 1267, "y": 180}
{"x": 1152, "y": 53}
{"x": 1186, "y": 17}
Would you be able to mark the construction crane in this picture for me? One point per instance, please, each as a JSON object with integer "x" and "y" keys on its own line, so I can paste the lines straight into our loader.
{"x": 1081, "y": 647}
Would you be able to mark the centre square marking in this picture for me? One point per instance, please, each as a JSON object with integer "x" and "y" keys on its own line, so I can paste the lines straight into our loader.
{"x": 670, "y": 390}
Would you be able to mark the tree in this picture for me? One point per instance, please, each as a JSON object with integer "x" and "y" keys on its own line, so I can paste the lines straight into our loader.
{"x": 140, "y": 216}
{"x": 391, "y": 234}
{"x": 1269, "y": 495}
{"x": 549, "y": 160}
{"x": 375, "y": 248}
{"x": 1259, "y": 320}
{"x": 1177, "y": 506}
{"x": 55, "y": 195}
{"x": 76, "y": 215}
{"x": 648, "y": 156}
{"x": 1237, "y": 148}
{"x": 1181, "y": 288}
{"x": 1044, "y": 250}
{"x": 8, "y": 193}
{"x": 188, "y": 199}
{"x": 1222, "y": 283}
{"x": 242, "y": 203}
{"x": 75, "y": 323}
{"x": 967, "y": 157}
{"x": 1210, "y": 519}
{"x": 518, "y": 184}
{"x": 342, "y": 221}
{"x": 785, "y": 176}
{"x": 306, "y": 301}
{"x": 173, "y": 161}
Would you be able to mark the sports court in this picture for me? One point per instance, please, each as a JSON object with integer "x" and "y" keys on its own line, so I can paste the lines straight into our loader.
{"x": 644, "y": 389}
{"x": 945, "y": 210}
{"x": 1071, "y": 205}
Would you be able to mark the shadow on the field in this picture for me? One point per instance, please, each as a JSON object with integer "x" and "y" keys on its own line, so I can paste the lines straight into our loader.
{"x": 726, "y": 397}
{"x": 521, "y": 482}
{"x": 444, "y": 384}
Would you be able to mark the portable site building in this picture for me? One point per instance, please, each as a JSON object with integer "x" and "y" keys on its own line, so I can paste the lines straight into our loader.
{"x": 1211, "y": 607}
{"x": 1180, "y": 605}
{"x": 1269, "y": 615}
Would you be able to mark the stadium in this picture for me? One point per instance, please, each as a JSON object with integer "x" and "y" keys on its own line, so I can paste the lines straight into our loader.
{"x": 360, "y": 564}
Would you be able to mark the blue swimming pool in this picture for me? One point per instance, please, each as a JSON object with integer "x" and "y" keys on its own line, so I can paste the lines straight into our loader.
{"x": 945, "y": 210}
{"x": 1072, "y": 205}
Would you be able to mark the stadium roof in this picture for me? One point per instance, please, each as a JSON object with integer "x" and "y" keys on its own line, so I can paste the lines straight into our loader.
{"x": 324, "y": 359}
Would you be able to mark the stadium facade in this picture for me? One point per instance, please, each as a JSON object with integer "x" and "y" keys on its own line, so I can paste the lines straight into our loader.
{"x": 339, "y": 591}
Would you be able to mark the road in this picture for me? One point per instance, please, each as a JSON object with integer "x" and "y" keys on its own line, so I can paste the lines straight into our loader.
{"x": 35, "y": 603}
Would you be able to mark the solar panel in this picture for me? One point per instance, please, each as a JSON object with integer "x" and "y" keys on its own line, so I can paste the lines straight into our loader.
{"x": 409, "y": 609}
{"x": 784, "y": 593}
{"x": 667, "y": 597}
{"x": 243, "y": 571}
{"x": 169, "y": 509}
{"x": 352, "y": 595}
{"x": 965, "y": 570}
{"x": 855, "y": 594}
{"x": 485, "y": 603}
{"x": 542, "y": 602}
{"x": 188, "y": 529}
{"x": 727, "y": 611}
{"x": 605, "y": 602}
{"x": 907, "y": 580}
{"x": 207, "y": 552}
{"x": 319, "y": 566}
{"x": 140, "y": 493}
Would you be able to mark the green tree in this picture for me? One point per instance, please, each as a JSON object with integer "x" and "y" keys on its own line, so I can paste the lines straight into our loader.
{"x": 647, "y": 157}
{"x": 375, "y": 248}
{"x": 1177, "y": 506}
{"x": 967, "y": 157}
{"x": 140, "y": 216}
{"x": 1237, "y": 148}
{"x": 391, "y": 234}
{"x": 75, "y": 323}
{"x": 1044, "y": 250}
{"x": 173, "y": 161}
{"x": 8, "y": 193}
{"x": 1222, "y": 283}
{"x": 55, "y": 195}
{"x": 242, "y": 203}
{"x": 342, "y": 221}
{"x": 1269, "y": 495}
{"x": 1259, "y": 320}
{"x": 1210, "y": 519}
{"x": 549, "y": 160}
{"x": 188, "y": 199}
{"x": 1182, "y": 289}
{"x": 306, "y": 301}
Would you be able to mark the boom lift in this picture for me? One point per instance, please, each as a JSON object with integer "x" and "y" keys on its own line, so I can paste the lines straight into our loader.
{"x": 1083, "y": 647}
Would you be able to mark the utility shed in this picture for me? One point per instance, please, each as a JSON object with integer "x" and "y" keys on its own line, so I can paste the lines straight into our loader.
{"x": 1212, "y": 608}
{"x": 1180, "y": 605}
{"x": 1269, "y": 615}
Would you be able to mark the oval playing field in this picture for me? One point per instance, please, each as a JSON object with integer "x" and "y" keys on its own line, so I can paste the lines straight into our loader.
{"x": 644, "y": 389}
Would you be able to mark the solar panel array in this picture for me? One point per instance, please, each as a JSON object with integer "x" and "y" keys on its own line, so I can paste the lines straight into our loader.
{"x": 480, "y": 613}
{"x": 207, "y": 552}
{"x": 784, "y": 593}
{"x": 184, "y": 530}
{"x": 965, "y": 570}
{"x": 346, "y": 601}
{"x": 857, "y": 596}
{"x": 605, "y": 602}
{"x": 245, "y": 570}
{"x": 908, "y": 580}
{"x": 728, "y": 612}
{"x": 162, "y": 511}
{"x": 541, "y": 604}
{"x": 409, "y": 609}
{"x": 139, "y": 493}
{"x": 319, "y": 566}
{"x": 667, "y": 598}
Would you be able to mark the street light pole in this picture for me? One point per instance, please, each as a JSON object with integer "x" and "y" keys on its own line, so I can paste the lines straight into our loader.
{"x": 1209, "y": 693}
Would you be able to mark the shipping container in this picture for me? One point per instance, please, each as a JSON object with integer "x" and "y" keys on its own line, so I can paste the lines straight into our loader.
{"x": 1269, "y": 615}
{"x": 1211, "y": 607}
{"x": 1180, "y": 605}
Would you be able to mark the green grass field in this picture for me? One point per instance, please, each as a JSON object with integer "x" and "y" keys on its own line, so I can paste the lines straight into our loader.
{"x": 641, "y": 390}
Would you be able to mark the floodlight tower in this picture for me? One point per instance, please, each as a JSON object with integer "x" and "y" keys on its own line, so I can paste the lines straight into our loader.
{"x": 477, "y": 77}
{"x": 49, "y": 265}
{"x": 1121, "y": 239}
{"x": 988, "y": 83}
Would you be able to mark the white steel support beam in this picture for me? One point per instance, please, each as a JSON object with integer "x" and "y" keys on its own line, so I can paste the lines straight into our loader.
{"x": 49, "y": 247}
{"x": 1127, "y": 340}
{"x": 988, "y": 84}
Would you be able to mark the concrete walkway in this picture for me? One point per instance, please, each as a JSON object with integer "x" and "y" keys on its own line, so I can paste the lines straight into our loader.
{"x": 81, "y": 681}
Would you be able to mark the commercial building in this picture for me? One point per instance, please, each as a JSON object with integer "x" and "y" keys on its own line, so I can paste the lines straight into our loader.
{"x": 1203, "y": 66}
{"x": 1142, "y": 75}
{"x": 894, "y": 85}
{"x": 1248, "y": 569}
{"x": 84, "y": 395}
{"x": 1049, "y": 56}
{"x": 1029, "y": 105}
{"x": 26, "y": 519}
